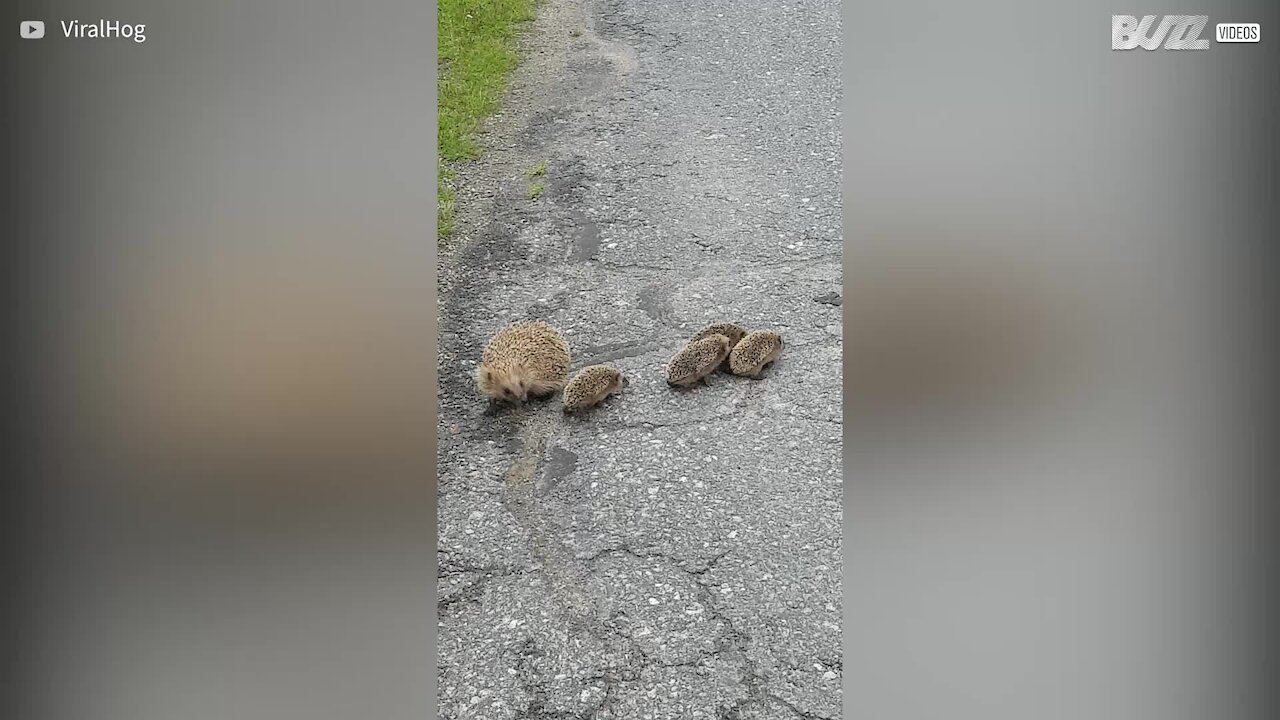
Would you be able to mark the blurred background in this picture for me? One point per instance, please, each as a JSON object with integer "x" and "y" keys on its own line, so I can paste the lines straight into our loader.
{"x": 1055, "y": 351}
{"x": 221, "y": 277}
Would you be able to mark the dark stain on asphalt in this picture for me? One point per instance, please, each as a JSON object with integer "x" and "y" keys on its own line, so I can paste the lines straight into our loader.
{"x": 558, "y": 465}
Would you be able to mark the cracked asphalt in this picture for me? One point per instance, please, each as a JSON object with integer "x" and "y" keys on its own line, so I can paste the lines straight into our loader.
{"x": 674, "y": 554}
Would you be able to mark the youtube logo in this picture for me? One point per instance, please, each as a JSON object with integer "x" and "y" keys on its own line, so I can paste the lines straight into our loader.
{"x": 31, "y": 29}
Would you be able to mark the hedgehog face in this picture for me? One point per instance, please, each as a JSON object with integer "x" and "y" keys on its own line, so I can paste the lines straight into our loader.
{"x": 508, "y": 385}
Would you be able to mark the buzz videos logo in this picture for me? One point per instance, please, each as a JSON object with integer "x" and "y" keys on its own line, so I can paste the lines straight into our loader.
{"x": 1175, "y": 32}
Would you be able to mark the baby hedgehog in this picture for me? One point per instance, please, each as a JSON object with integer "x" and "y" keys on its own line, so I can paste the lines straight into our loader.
{"x": 733, "y": 331}
{"x": 697, "y": 360}
{"x": 754, "y": 352}
{"x": 591, "y": 386}
{"x": 528, "y": 358}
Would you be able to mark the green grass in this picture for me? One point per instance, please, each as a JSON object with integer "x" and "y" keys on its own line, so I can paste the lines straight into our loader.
{"x": 535, "y": 184}
{"x": 445, "y": 199}
{"x": 477, "y": 52}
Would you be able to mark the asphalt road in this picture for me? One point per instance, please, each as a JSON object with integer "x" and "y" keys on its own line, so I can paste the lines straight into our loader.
{"x": 674, "y": 554}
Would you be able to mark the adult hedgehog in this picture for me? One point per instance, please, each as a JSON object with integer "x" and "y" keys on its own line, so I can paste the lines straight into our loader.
{"x": 528, "y": 358}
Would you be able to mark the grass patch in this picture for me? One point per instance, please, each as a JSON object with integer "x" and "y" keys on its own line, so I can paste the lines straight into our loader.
{"x": 535, "y": 183}
{"x": 445, "y": 199}
{"x": 477, "y": 52}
